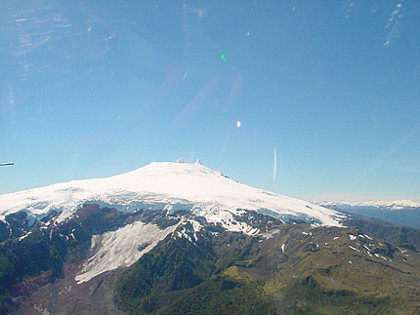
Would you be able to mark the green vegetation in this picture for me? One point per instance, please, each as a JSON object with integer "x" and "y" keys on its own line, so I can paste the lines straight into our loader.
{"x": 26, "y": 258}
{"x": 6, "y": 275}
{"x": 301, "y": 270}
{"x": 172, "y": 266}
{"x": 220, "y": 295}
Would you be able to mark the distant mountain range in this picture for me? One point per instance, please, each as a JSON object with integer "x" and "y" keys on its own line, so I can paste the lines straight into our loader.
{"x": 401, "y": 212}
{"x": 180, "y": 238}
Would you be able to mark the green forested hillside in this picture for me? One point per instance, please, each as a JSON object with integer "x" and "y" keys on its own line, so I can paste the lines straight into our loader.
{"x": 301, "y": 270}
{"x": 370, "y": 268}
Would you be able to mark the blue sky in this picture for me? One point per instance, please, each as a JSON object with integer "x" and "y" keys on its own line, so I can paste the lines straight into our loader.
{"x": 93, "y": 89}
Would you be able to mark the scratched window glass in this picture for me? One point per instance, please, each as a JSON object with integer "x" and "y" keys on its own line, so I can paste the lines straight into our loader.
{"x": 202, "y": 157}
{"x": 318, "y": 100}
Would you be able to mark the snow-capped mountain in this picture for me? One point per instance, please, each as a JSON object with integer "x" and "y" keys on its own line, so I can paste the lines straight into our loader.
{"x": 168, "y": 236}
{"x": 168, "y": 187}
{"x": 401, "y": 212}
{"x": 379, "y": 204}
{"x": 164, "y": 186}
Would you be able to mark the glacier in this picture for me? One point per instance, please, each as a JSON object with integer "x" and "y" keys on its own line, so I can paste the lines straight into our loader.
{"x": 164, "y": 186}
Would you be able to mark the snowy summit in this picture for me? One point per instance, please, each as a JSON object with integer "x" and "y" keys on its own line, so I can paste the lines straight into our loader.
{"x": 157, "y": 186}
{"x": 164, "y": 186}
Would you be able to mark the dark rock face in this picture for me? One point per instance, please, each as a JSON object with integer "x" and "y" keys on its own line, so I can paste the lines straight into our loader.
{"x": 18, "y": 223}
{"x": 4, "y": 231}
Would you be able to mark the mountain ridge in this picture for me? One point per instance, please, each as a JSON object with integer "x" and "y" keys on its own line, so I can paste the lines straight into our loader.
{"x": 401, "y": 212}
{"x": 391, "y": 205}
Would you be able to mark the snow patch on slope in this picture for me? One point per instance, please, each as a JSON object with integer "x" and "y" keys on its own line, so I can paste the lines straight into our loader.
{"x": 121, "y": 248}
{"x": 227, "y": 221}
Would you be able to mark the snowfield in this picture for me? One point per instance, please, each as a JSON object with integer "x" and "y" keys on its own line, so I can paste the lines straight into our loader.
{"x": 119, "y": 248}
{"x": 164, "y": 185}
